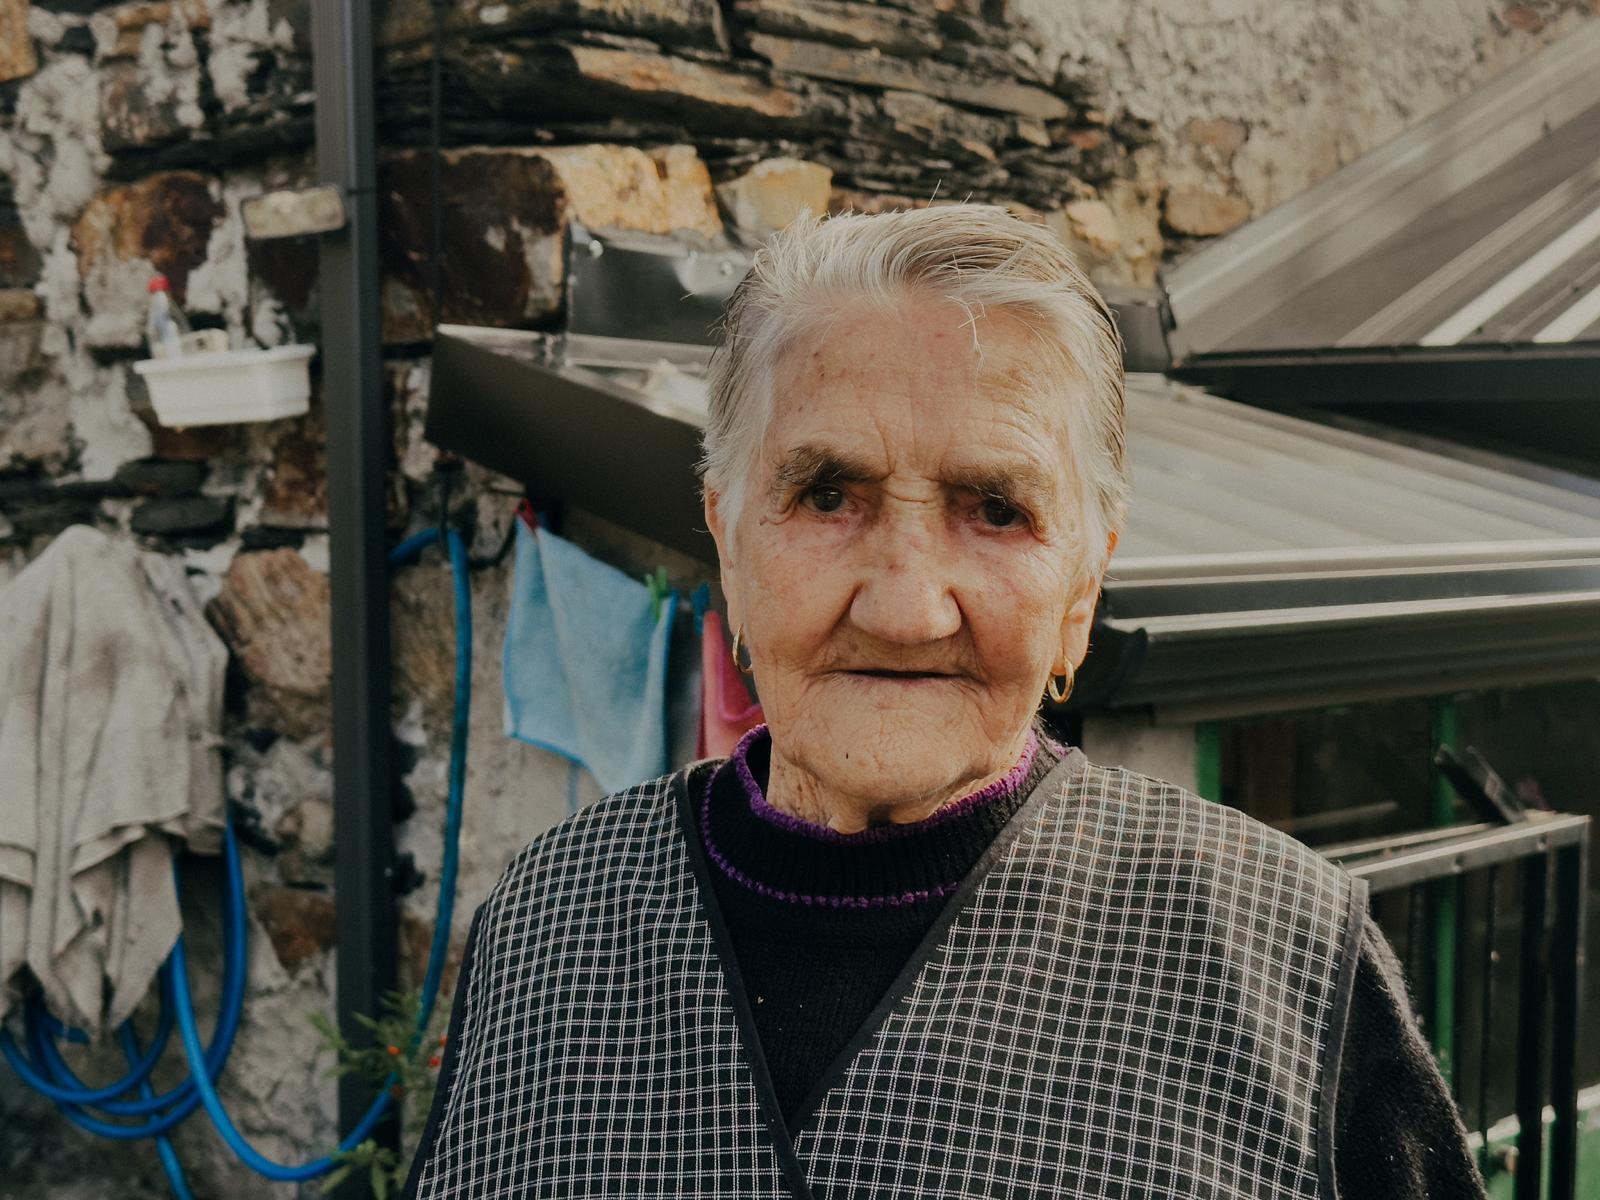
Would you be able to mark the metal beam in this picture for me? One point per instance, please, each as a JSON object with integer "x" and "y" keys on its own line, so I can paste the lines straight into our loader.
{"x": 1415, "y": 861}
{"x": 1529, "y": 376}
{"x": 352, "y": 401}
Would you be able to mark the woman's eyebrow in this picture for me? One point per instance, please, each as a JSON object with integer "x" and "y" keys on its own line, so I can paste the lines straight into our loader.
{"x": 811, "y": 463}
{"x": 1020, "y": 482}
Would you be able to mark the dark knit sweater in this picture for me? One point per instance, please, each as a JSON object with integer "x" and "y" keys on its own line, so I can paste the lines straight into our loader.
{"x": 822, "y": 925}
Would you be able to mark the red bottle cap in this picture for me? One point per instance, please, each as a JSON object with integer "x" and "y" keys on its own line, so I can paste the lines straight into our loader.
{"x": 159, "y": 283}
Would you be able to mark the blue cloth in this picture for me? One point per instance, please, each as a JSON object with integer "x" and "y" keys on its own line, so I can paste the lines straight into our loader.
{"x": 585, "y": 665}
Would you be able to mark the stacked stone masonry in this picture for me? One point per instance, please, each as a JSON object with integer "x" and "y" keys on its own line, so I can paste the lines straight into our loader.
{"x": 130, "y": 132}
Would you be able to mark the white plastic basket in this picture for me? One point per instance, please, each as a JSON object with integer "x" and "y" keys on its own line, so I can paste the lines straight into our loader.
{"x": 227, "y": 386}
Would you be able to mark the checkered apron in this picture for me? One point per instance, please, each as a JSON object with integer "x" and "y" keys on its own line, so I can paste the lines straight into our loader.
{"x": 1136, "y": 994}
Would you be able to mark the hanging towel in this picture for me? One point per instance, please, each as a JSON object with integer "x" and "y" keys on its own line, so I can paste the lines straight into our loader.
{"x": 585, "y": 666}
{"x": 110, "y": 705}
{"x": 726, "y": 711}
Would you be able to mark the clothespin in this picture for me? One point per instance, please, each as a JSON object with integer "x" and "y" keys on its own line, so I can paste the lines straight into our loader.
{"x": 699, "y": 602}
{"x": 656, "y": 581}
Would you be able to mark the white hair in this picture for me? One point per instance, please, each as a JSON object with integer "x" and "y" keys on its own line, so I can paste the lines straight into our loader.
{"x": 977, "y": 256}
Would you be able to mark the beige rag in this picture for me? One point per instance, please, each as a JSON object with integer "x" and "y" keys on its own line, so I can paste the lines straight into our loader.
{"x": 110, "y": 707}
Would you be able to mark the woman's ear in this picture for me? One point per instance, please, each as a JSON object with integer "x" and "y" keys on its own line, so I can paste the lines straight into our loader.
{"x": 1075, "y": 626}
{"x": 716, "y": 522}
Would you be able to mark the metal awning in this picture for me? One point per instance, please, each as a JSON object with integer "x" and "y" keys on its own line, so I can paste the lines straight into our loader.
{"x": 1274, "y": 563}
{"x": 1459, "y": 262}
{"x": 1270, "y": 563}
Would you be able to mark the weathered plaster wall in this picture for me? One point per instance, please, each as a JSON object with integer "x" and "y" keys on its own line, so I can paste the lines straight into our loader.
{"x": 1249, "y": 102}
{"x": 129, "y": 132}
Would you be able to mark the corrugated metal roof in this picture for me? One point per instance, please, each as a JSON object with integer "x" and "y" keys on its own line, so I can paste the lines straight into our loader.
{"x": 1274, "y": 563}
{"x": 1480, "y": 226}
{"x": 1213, "y": 477}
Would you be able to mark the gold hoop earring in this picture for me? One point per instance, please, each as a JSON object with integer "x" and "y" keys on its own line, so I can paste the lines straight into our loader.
{"x": 738, "y": 644}
{"x": 1058, "y": 692}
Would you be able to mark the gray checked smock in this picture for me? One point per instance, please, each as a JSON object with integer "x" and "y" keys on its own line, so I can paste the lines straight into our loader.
{"x": 1136, "y": 993}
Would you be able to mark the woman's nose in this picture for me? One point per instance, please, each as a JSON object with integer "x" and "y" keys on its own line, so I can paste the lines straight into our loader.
{"x": 905, "y": 593}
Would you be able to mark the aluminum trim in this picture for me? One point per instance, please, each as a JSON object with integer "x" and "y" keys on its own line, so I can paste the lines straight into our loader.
{"x": 1543, "y": 832}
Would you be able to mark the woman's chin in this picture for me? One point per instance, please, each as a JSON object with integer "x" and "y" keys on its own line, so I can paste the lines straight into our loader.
{"x": 893, "y": 771}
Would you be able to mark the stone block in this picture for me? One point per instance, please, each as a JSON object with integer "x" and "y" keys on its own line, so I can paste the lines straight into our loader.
{"x": 186, "y": 517}
{"x": 134, "y": 115}
{"x": 773, "y": 192}
{"x": 1220, "y": 135}
{"x": 927, "y": 127}
{"x": 162, "y": 223}
{"x": 1201, "y": 212}
{"x": 670, "y": 22}
{"x": 298, "y": 921}
{"x": 666, "y": 190}
{"x": 272, "y": 611}
{"x": 1137, "y": 207}
{"x": 944, "y": 80}
{"x": 161, "y": 477}
{"x": 17, "y": 57}
{"x": 1006, "y": 60}
{"x": 18, "y": 304}
{"x": 165, "y": 219}
{"x": 49, "y": 513}
{"x": 505, "y": 213}
{"x": 120, "y": 30}
{"x": 306, "y": 834}
{"x": 197, "y": 443}
{"x": 288, "y": 266}
{"x": 675, "y": 83}
{"x": 35, "y": 416}
{"x": 416, "y": 943}
{"x": 586, "y": 82}
{"x": 19, "y": 261}
{"x": 21, "y": 350}
{"x": 500, "y": 257}
{"x": 1524, "y": 18}
{"x": 77, "y": 39}
{"x": 1093, "y": 224}
{"x": 845, "y": 23}
{"x": 294, "y": 489}
{"x": 422, "y": 620}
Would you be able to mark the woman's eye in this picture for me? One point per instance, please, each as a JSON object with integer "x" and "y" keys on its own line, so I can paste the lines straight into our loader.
{"x": 1000, "y": 514}
{"x": 826, "y": 498}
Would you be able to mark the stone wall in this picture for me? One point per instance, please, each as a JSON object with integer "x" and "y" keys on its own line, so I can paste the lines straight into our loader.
{"x": 129, "y": 133}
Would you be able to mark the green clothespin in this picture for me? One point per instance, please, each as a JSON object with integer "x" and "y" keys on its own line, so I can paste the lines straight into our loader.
{"x": 656, "y": 581}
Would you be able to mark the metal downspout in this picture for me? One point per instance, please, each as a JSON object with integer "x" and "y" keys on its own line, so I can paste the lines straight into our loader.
{"x": 352, "y": 399}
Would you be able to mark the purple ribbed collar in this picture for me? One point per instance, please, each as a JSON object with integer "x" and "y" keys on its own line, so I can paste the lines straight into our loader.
{"x": 762, "y": 808}
{"x": 743, "y": 879}
{"x": 880, "y": 839}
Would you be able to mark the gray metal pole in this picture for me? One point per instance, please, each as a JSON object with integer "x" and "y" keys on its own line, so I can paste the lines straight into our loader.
{"x": 352, "y": 401}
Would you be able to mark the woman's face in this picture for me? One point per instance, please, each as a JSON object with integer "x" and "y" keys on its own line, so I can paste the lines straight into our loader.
{"x": 904, "y": 559}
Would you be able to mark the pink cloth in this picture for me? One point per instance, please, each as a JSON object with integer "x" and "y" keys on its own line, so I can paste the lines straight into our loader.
{"x": 726, "y": 713}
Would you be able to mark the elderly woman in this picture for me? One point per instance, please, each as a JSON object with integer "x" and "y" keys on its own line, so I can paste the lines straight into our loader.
{"x": 903, "y": 943}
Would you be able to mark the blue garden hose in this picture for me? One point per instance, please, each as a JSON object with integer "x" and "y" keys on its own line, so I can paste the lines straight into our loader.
{"x": 43, "y": 1068}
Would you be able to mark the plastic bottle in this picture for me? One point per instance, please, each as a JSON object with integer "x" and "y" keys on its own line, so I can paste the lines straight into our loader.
{"x": 165, "y": 325}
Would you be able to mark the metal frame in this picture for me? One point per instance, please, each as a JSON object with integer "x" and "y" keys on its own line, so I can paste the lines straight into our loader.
{"x": 1534, "y": 375}
{"x": 1551, "y": 967}
{"x": 354, "y": 411}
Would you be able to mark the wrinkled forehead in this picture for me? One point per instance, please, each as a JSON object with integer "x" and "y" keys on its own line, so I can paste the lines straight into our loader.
{"x": 926, "y": 363}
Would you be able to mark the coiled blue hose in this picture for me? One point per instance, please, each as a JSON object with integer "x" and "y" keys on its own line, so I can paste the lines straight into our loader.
{"x": 43, "y": 1068}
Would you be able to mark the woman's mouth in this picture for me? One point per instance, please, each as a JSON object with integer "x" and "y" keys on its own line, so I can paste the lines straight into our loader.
{"x": 902, "y": 677}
